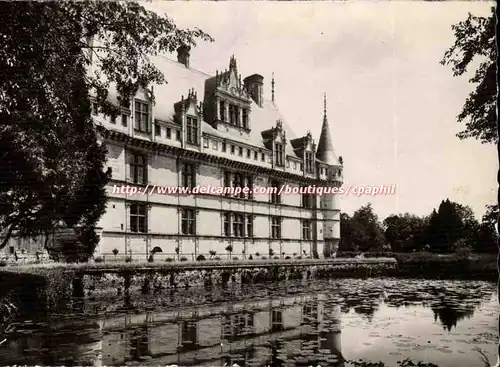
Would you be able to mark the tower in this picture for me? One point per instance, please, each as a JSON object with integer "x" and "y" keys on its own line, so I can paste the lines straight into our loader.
{"x": 330, "y": 203}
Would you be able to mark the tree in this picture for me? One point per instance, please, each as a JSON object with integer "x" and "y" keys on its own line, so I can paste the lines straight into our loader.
{"x": 487, "y": 235}
{"x": 475, "y": 40}
{"x": 362, "y": 231}
{"x": 51, "y": 162}
{"x": 405, "y": 232}
{"x": 450, "y": 223}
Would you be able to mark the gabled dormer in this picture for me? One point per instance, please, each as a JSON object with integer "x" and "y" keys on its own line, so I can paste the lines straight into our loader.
{"x": 189, "y": 115}
{"x": 143, "y": 110}
{"x": 305, "y": 148}
{"x": 274, "y": 139}
{"x": 227, "y": 101}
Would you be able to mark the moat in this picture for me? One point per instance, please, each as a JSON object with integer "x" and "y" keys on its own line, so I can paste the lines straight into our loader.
{"x": 292, "y": 323}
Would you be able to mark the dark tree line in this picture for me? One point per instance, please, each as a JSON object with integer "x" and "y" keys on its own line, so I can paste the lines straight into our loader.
{"x": 450, "y": 228}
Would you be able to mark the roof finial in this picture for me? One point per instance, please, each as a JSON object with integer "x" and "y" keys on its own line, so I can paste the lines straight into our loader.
{"x": 324, "y": 111}
{"x": 272, "y": 89}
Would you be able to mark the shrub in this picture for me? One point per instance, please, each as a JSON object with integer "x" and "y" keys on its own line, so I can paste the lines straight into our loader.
{"x": 183, "y": 258}
{"x": 99, "y": 259}
{"x": 264, "y": 258}
{"x": 200, "y": 258}
{"x": 217, "y": 258}
{"x": 250, "y": 257}
{"x": 276, "y": 258}
{"x": 169, "y": 259}
{"x": 3, "y": 263}
{"x": 128, "y": 259}
{"x": 257, "y": 254}
{"x": 287, "y": 258}
{"x": 115, "y": 251}
{"x": 235, "y": 258}
{"x": 151, "y": 258}
{"x": 299, "y": 257}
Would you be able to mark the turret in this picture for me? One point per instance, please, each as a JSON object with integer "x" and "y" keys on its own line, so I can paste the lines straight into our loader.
{"x": 330, "y": 203}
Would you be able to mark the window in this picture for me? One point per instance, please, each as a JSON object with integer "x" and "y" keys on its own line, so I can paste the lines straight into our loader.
{"x": 276, "y": 227}
{"x": 124, "y": 120}
{"x": 294, "y": 165}
{"x": 263, "y": 157}
{"x": 157, "y": 130}
{"x": 138, "y": 168}
{"x": 141, "y": 116}
{"x": 192, "y": 130}
{"x": 214, "y": 144}
{"x": 275, "y": 198}
{"x": 245, "y": 118}
{"x": 255, "y": 156}
{"x": 169, "y": 133}
{"x": 138, "y": 218}
{"x": 227, "y": 179}
{"x": 178, "y": 135}
{"x": 232, "y": 149}
{"x": 249, "y": 153}
{"x": 238, "y": 225}
{"x": 240, "y": 151}
{"x": 188, "y": 177}
{"x": 249, "y": 182}
{"x": 236, "y": 115}
{"x": 278, "y": 151}
{"x": 113, "y": 119}
{"x": 249, "y": 226}
{"x": 301, "y": 167}
{"x": 95, "y": 109}
{"x": 227, "y": 224}
{"x": 222, "y": 111}
{"x": 306, "y": 229}
{"x": 276, "y": 320}
{"x": 233, "y": 114}
{"x": 307, "y": 201}
{"x": 206, "y": 143}
{"x": 188, "y": 221}
{"x": 309, "y": 162}
{"x": 238, "y": 182}
{"x": 224, "y": 146}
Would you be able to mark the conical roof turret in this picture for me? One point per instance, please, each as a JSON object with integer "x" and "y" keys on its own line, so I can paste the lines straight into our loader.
{"x": 325, "y": 151}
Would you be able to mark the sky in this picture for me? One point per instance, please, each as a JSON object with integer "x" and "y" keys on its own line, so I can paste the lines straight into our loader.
{"x": 392, "y": 106}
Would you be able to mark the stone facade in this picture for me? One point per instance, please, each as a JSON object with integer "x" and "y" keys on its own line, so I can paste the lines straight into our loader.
{"x": 215, "y": 131}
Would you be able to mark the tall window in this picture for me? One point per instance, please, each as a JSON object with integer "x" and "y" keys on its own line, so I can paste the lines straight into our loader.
{"x": 188, "y": 175}
{"x": 249, "y": 226}
{"x": 306, "y": 229}
{"x": 237, "y": 115}
{"x": 309, "y": 162}
{"x": 307, "y": 201}
{"x": 138, "y": 168}
{"x": 238, "y": 225}
{"x": 244, "y": 118}
{"x": 249, "y": 184}
{"x": 224, "y": 147}
{"x": 275, "y": 198}
{"x": 277, "y": 320}
{"x": 227, "y": 224}
{"x": 125, "y": 120}
{"x": 138, "y": 218}
{"x": 233, "y": 114}
{"x": 141, "y": 116}
{"x": 276, "y": 227}
{"x": 279, "y": 154}
{"x": 188, "y": 221}
{"x": 157, "y": 130}
{"x": 238, "y": 182}
{"x": 192, "y": 130}
{"x": 222, "y": 110}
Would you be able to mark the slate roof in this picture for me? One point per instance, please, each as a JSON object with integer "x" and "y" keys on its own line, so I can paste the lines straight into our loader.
{"x": 181, "y": 79}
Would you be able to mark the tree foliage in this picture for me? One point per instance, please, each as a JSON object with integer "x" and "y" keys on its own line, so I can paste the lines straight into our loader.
{"x": 475, "y": 41}
{"x": 362, "y": 232}
{"x": 405, "y": 232}
{"x": 52, "y": 166}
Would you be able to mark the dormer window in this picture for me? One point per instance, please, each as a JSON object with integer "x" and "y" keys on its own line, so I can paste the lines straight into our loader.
{"x": 141, "y": 116}
{"x": 233, "y": 114}
{"x": 279, "y": 154}
{"x": 244, "y": 118}
{"x": 191, "y": 130}
{"x": 222, "y": 110}
{"x": 309, "y": 162}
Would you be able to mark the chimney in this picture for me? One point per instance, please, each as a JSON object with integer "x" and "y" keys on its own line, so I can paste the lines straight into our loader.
{"x": 183, "y": 55}
{"x": 254, "y": 84}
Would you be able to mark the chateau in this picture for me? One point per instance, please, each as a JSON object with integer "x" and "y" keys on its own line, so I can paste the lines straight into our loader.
{"x": 215, "y": 130}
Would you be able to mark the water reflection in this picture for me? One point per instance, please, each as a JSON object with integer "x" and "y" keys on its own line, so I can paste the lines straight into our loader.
{"x": 279, "y": 325}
